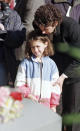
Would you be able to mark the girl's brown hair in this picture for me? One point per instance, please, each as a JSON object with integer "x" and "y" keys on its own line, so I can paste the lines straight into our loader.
{"x": 33, "y": 36}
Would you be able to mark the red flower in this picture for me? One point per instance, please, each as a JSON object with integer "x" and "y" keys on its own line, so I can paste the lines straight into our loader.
{"x": 16, "y": 95}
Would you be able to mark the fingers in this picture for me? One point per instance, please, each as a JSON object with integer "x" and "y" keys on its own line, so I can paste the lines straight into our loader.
{"x": 32, "y": 97}
{"x": 2, "y": 27}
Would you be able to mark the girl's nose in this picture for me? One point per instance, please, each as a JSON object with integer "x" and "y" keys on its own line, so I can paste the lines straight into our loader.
{"x": 35, "y": 48}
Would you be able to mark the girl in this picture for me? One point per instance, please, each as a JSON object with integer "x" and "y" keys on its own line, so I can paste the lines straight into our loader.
{"x": 39, "y": 71}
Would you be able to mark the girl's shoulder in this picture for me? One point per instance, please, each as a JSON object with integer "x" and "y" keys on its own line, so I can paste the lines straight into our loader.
{"x": 50, "y": 63}
{"x": 49, "y": 60}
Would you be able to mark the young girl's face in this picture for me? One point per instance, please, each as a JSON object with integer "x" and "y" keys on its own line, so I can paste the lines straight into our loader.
{"x": 37, "y": 48}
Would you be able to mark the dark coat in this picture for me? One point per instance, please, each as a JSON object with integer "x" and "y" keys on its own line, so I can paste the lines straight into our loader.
{"x": 67, "y": 33}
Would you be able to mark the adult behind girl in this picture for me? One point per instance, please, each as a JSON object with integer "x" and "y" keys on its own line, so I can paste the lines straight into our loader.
{"x": 48, "y": 20}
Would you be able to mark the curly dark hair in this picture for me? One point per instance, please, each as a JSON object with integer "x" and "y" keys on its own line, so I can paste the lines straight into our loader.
{"x": 46, "y": 15}
{"x": 34, "y": 36}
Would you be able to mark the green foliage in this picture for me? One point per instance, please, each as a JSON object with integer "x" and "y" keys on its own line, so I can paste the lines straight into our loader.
{"x": 71, "y": 118}
{"x": 70, "y": 50}
{"x": 63, "y": 47}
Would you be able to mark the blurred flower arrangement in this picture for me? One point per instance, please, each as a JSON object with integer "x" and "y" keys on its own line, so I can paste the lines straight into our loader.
{"x": 10, "y": 104}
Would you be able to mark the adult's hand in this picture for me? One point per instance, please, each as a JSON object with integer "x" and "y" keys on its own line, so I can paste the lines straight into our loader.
{"x": 2, "y": 27}
{"x": 30, "y": 96}
{"x": 60, "y": 81}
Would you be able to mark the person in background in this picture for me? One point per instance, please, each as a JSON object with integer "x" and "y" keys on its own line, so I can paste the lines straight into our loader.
{"x": 32, "y": 71}
{"x": 26, "y": 10}
{"x": 70, "y": 8}
{"x": 65, "y": 33}
{"x": 12, "y": 35}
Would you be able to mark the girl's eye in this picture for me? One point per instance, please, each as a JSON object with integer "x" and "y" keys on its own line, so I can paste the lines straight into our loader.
{"x": 35, "y": 47}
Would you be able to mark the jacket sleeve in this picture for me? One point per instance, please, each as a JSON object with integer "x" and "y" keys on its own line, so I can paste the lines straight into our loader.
{"x": 72, "y": 71}
{"x": 15, "y": 39}
{"x": 17, "y": 34}
{"x": 20, "y": 81}
{"x": 21, "y": 76}
{"x": 55, "y": 89}
{"x": 70, "y": 33}
{"x": 55, "y": 96}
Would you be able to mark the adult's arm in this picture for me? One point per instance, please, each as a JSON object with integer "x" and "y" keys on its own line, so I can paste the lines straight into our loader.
{"x": 15, "y": 39}
{"x": 17, "y": 33}
{"x": 70, "y": 32}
